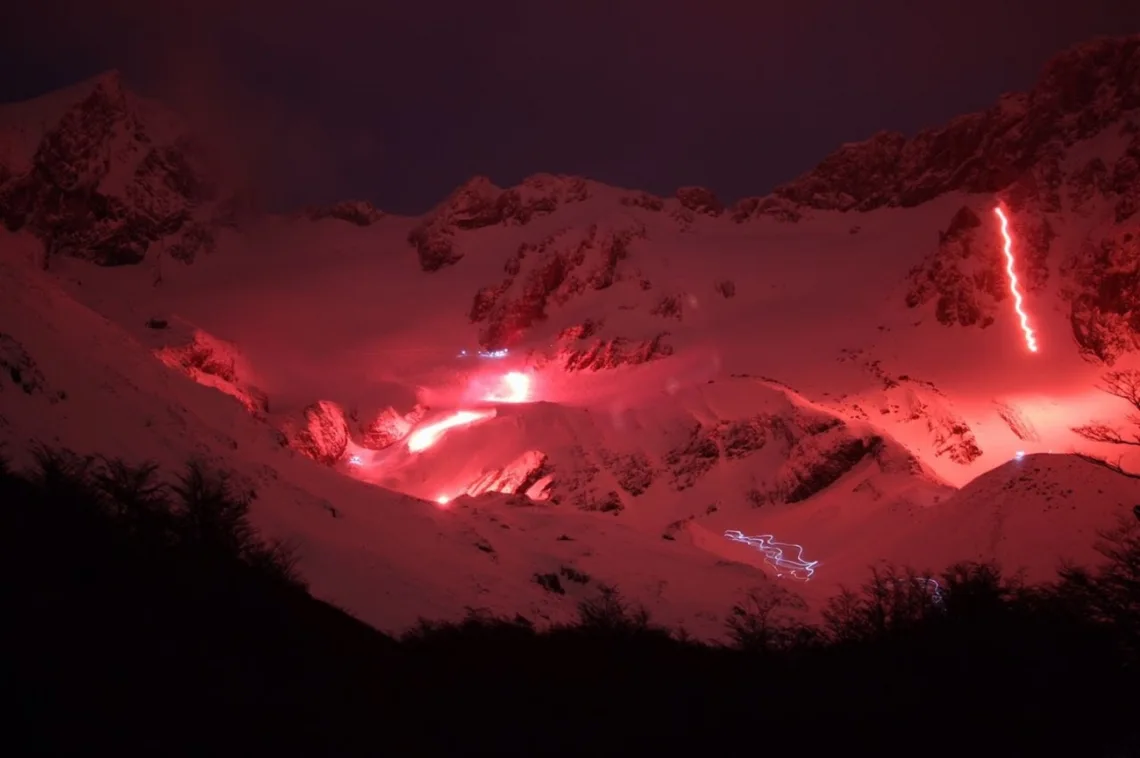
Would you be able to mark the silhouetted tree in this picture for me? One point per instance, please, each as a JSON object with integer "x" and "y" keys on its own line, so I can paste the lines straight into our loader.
{"x": 970, "y": 589}
{"x": 477, "y": 625}
{"x": 277, "y": 561}
{"x": 135, "y": 496}
{"x": 211, "y": 513}
{"x": 61, "y": 480}
{"x": 212, "y": 516}
{"x": 767, "y": 621}
{"x": 1110, "y": 593}
{"x": 610, "y": 613}
{"x": 892, "y": 601}
{"x": 1126, "y": 386}
{"x": 199, "y": 630}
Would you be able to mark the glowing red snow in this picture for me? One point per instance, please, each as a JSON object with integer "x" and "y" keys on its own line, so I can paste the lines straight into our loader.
{"x": 514, "y": 387}
{"x": 1030, "y": 339}
{"x": 443, "y": 499}
{"x": 429, "y": 434}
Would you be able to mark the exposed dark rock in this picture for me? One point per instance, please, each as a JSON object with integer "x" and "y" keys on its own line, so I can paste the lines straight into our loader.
{"x": 101, "y": 188}
{"x": 643, "y": 200}
{"x": 966, "y": 274}
{"x": 549, "y": 273}
{"x": 358, "y": 212}
{"x": 669, "y": 307}
{"x": 633, "y": 471}
{"x": 1104, "y": 296}
{"x": 1079, "y": 93}
{"x": 321, "y": 434}
{"x": 388, "y": 427}
{"x": 479, "y": 203}
{"x": 700, "y": 200}
{"x": 18, "y": 366}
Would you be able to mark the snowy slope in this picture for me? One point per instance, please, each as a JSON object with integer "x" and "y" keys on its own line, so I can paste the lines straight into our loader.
{"x": 824, "y": 365}
{"x": 388, "y": 558}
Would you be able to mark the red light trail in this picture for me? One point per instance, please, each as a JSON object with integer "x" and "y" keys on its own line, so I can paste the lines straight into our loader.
{"x": 1030, "y": 339}
{"x": 429, "y": 434}
{"x": 512, "y": 387}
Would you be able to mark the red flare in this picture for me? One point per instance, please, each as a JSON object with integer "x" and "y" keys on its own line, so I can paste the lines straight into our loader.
{"x": 1030, "y": 339}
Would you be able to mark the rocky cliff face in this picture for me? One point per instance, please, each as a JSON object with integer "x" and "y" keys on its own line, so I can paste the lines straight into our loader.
{"x": 1020, "y": 152}
{"x": 1080, "y": 93}
{"x": 1016, "y": 153}
{"x": 551, "y": 273}
{"x": 106, "y": 184}
{"x": 356, "y": 212}
{"x": 321, "y": 433}
{"x": 479, "y": 203}
{"x": 1104, "y": 295}
{"x": 215, "y": 363}
{"x": 387, "y": 427}
{"x": 965, "y": 275}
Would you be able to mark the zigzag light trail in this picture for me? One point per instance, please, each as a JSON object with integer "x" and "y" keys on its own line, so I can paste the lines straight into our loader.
{"x": 774, "y": 556}
{"x": 1030, "y": 339}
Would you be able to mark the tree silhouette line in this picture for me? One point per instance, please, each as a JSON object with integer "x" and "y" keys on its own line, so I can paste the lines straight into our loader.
{"x": 144, "y": 613}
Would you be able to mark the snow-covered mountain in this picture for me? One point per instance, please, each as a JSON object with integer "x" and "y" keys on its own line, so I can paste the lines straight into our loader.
{"x": 574, "y": 379}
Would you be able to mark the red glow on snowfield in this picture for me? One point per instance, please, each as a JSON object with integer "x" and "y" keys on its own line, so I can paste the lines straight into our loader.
{"x": 428, "y": 435}
{"x": 1030, "y": 339}
{"x": 514, "y": 387}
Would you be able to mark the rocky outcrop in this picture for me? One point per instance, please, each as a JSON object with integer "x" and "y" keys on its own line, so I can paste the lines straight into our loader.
{"x": 643, "y": 200}
{"x": 633, "y": 471}
{"x": 1081, "y": 92}
{"x": 728, "y": 440}
{"x": 1117, "y": 180}
{"x": 103, "y": 186}
{"x": 726, "y": 288}
{"x": 550, "y": 273}
{"x": 575, "y": 483}
{"x": 321, "y": 433}
{"x": 581, "y": 348}
{"x": 922, "y": 402}
{"x": 816, "y": 450}
{"x": 669, "y": 306}
{"x": 817, "y": 461}
{"x": 17, "y": 366}
{"x": 357, "y": 212}
{"x": 917, "y": 401}
{"x": 1017, "y": 421}
{"x": 687, "y": 463}
{"x": 214, "y": 363}
{"x": 953, "y": 438}
{"x": 479, "y": 203}
{"x": 1103, "y": 291}
{"x": 528, "y": 475}
{"x": 700, "y": 200}
{"x": 596, "y": 354}
{"x": 965, "y": 276}
{"x": 751, "y": 208}
{"x": 388, "y": 427}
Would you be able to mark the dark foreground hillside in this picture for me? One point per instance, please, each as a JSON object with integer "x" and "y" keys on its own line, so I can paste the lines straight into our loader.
{"x": 142, "y": 614}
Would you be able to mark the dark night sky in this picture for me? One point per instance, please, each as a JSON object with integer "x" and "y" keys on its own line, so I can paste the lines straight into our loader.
{"x": 400, "y": 102}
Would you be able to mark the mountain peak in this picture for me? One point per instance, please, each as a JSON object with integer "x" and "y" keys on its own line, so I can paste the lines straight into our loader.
{"x": 97, "y": 173}
{"x": 1080, "y": 92}
{"x": 110, "y": 80}
{"x": 478, "y": 203}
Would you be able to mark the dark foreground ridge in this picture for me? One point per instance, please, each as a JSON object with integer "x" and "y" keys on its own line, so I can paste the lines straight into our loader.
{"x": 149, "y": 617}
